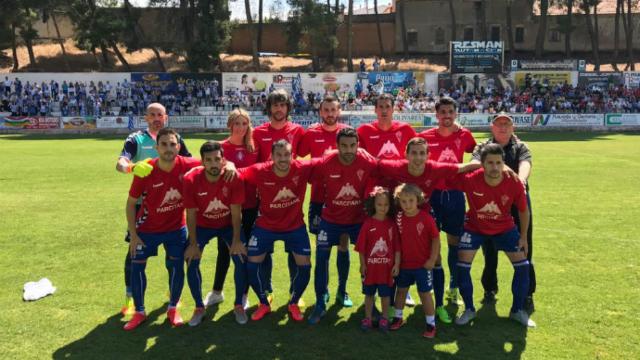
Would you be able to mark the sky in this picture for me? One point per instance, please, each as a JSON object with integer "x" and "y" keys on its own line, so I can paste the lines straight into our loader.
{"x": 238, "y": 12}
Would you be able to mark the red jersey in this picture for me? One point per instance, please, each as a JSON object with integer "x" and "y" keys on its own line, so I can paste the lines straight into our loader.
{"x": 433, "y": 173}
{"x": 241, "y": 158}
{"x": 212, "y": 200}
{"x": 162, "y": 208}
{"x": 316, "y": 141}
{"x": 345, "y": 187}
{"x": 281, "y": 198}
{"x": 490, "y": 206}
{"x": 417, "y": 233}
{"x": 378, "y": 241}
{"x": 390, "y": 144}
{"x": 449, "y": 149}
{"x": 264, "y": 135}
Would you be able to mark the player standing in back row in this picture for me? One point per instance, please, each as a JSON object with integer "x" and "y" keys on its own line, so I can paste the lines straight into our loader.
{"x": 279, "y": 127}
{"x": 138, "y": 149}
{"x": 448, "y": 143}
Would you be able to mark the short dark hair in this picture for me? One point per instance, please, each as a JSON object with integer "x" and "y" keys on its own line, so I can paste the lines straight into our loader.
{"x": 278, "y": 96}
{"x": 446, "y": 100}
{"x": 385, "y": 96}
{"x": 165, "y": 132}
{"x": 329, "y": 98}
{"x": 211, "y": 146}
{"x": 491, "y": 149}
{"x": 370, "y": 202}
{"x": 416, "y": 141}
{"x": 347, "y": 132}
{"x": 278, "y": 144}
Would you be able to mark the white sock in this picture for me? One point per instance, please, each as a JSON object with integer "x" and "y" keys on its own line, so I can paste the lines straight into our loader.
{"x": 399, "y": 313}
{"x": 431, "y": 320}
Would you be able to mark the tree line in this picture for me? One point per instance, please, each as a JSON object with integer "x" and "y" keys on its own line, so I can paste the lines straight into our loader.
{"x": 204, "y": 28}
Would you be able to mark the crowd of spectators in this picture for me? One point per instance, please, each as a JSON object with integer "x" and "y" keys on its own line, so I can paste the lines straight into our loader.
{"x": 97, "y": 98}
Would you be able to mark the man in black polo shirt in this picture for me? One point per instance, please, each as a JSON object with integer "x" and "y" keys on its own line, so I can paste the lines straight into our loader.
{"x": 518, "y": 158}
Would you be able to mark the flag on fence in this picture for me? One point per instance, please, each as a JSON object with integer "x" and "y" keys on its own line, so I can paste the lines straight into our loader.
{"x": 130, "y": 125}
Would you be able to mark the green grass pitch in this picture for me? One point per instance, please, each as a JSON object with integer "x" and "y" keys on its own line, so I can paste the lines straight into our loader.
{"x": 62, "y": 217}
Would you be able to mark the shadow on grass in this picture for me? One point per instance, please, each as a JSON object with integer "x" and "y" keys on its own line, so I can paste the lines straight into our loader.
{"x": 275, "y": 336}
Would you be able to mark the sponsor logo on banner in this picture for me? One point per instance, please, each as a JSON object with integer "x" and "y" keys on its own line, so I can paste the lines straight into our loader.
{"x": 112, "y": 122}
{"x": 79, "y": 122}
{"x": 551, "y": 78}
{"x": 471, "y": 120}
{"x": 183, "y": 122}
{"x": 622, "y": 119}
{"x": 476, "y": 56}
{"x": 29, "y": 122}
{"x": 521, "y": 119}
{"x": 561, "y": 120}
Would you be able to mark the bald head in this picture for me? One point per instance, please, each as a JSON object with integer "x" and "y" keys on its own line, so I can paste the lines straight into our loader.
{"x": 156, "y": 117}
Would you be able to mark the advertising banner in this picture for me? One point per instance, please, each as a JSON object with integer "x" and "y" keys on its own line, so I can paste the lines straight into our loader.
{"x": 78, "y": 122}
{"x": 112, "y": 122}
{"x": 29, "y": 122}
{"x": 521, "y": 119}
{"x": 328, "y": 83}
{"x": 600, "y": 81}
{"x": 476, "y": 56}
{"x": 474, "y": 82}
{"x": 474, "y": 120}
{"x": 525, "y": 79}
{"x": 165, "y": 83}
{"x": 632, "y": 79}
{"x": 567, "y": 120}
{"x": 528, "y": 65}
{"x": 256, "y": 83}
{"x": 392, "y": 81}
{"x": 187, "y": 122}
{"x": 622, "y": 119}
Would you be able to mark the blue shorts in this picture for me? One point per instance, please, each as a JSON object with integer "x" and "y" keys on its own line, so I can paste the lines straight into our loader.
{"x": 421, "y": 277}
{"x": 174, "y": 243}
{"x": 204, "y": 235}
{"x": 507, "y": 241}
{"x": 382, "y": 289}
{"x": 449, "y": 207}
{"x": 296, "y": 241}
{"x": 330, "y": 233}
{"x": 313, "y": 216}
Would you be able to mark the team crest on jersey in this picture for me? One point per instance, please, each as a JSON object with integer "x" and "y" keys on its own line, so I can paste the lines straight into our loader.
{"x": 428, "y": 183}
{"x": 225, "y": 191}
{"x": 240, "y": 155}
{"x": 504, "y": 199}
{"x": 489, "y": 211}
{"x": 172, "y": 201}
{"x": 448, "y": 156}
{"x": 380, "y": 248}
{"x": 360, "y": 174}
{"x": 399, "y": 136}
{"x": 388, "y": 150}
{"x": 171, "y": 197}
{"x": 347, "y": 192}
{"x": 290, "y": 138}
{"x": 420, "y": 227}
{"x": 284, "y": 198}
{"x": 216, "y": 209}
{"x": 295, "y": 180}
{"x": 457, "y": 142}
